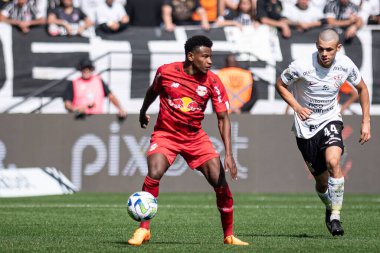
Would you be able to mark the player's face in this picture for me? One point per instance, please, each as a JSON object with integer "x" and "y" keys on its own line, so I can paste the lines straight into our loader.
{"x": 327, "y": 51}
{"x": 201, "y": 59}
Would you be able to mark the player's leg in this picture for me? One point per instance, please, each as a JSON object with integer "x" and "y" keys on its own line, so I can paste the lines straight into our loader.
{"x": 160, "y": 156}
{"x": 157, "y": 166}
{"x": 214, "y": 173}
{"x": 314, "y": 158}
{"x": 335, "y": 187}
{"x": 321, "y": 187}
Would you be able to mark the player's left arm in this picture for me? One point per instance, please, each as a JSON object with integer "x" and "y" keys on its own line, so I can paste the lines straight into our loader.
{"x": 224, "y": 125}
{"x": 365, "y": 133}
{"x": 353, "y": 97}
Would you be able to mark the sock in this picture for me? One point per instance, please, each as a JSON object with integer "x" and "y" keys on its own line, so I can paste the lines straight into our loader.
{"x": 152, "y": 186}
{"x": 224, "y": 202}
{"x": 325, "y": 197}
{"x": 336, "y": 191}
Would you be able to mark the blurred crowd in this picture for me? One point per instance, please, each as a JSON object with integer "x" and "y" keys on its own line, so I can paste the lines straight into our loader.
{"x": 88, "y": 17}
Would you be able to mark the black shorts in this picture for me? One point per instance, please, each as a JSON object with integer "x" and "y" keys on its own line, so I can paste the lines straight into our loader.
{"x": 313, "y": 149}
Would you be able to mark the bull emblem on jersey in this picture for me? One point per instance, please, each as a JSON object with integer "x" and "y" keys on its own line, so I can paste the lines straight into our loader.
{"x": 185, "y": 104}
{"x": 201, "y": 90}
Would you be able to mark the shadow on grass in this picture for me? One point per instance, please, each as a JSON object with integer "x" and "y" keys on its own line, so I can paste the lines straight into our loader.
{"x": 125, "y": 243}
{"x": 306, "y": 236}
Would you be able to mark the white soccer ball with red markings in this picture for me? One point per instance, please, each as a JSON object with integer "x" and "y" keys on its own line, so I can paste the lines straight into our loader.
{"x": 142, "y": 206}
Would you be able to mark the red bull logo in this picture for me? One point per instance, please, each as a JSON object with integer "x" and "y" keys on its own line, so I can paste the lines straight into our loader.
{"x": 184, "y": 104}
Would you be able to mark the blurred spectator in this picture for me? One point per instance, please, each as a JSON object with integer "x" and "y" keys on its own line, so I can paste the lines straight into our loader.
{"x": 67, "y": 20}
{"x": 344, "y": 14}
{"x": 227, "y": 7}
{"x": 239, "y": 86}
{"x": 347, "y": 96}
{"x": 89, "y": 6}
{"x": 140, "y": 15}
{"x": 3, "y": 3}
{"x": 111, "y": 17}
{"x": 370, "y": 12}
{"x": 303, "y": 15}
{"x": 179, "y": 12}
{"x": 22, "y": 14}
{"x": 85, "y": 95}
{"x": 269, "y": 13}
{"x": 243, "y": 15}
{"x": 211, "y": 8}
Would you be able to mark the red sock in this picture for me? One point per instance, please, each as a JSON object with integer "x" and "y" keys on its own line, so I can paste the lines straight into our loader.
{"x": 225, "y": 202}
{"x": 152, "y": 186}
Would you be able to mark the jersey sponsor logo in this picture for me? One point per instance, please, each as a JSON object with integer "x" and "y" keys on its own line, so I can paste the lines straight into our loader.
{"x": 353, "y": 75}
{"x": 218, "y": 93}
{"x": 184, "y": 104}
{"x": 309, "y": 72}
{"x": 312, "y": 83}
{"x": 201, "y": 90}
{"x": 340, "y": 68}
{"x": 290, "y": 75}
{"x": 174, "y": 85}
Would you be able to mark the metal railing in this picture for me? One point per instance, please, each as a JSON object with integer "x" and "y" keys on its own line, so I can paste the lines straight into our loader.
{"x": 38, "y": 92}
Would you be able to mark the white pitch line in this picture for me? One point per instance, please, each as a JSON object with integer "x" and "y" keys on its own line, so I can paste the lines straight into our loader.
{"x": 177, "y": 206}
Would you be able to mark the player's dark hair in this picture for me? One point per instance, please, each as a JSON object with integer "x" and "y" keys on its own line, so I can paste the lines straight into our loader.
{"x": 197, "y": 41}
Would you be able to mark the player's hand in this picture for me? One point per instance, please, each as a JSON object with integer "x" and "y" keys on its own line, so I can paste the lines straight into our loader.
{"x": 230, "y": 165}
{"x": 303, "y": 112}
{"x": 365, "y": 133}
{"x": 144, "y": 120}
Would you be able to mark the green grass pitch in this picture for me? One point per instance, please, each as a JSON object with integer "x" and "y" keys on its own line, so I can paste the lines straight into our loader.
{"x": 186, "y": 222}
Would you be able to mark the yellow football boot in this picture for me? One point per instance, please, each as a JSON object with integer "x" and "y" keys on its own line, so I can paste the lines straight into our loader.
{"x": 234, "y": 241}
{"x": 140, "y": 236}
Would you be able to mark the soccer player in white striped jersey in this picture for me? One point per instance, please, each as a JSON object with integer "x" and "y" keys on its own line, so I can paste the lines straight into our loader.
{"x": 318, "y": 125}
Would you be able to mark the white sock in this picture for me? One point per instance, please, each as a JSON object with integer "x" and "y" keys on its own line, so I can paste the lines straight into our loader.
{"x": 336, "y": 192}
{"x": 325, "y": 197}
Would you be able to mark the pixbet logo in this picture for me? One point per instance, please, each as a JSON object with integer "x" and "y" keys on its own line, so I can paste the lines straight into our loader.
{"x": 108, "y": 156}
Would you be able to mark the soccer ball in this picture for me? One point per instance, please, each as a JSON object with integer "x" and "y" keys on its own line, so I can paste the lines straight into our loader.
{"x": 142, "y": 206}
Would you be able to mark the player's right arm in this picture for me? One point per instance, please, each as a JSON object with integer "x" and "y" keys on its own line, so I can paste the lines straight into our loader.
{"x": 282, "y": 89}
{"x": 150, "y": 96}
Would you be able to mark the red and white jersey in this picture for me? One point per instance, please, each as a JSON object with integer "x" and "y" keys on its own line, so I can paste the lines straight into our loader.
{"x": 183, "y": 98}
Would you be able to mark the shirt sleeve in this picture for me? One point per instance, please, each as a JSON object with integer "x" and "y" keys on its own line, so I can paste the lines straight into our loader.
{"x": 261, "y": 11}
{"x": 197, "y": 4}
{"x": 290, "y": 74}
{"x": 106, "y": 89}
{"x": 82, "y": 15}
{"x": 157, "y": 82}
{"x": 6, "y": 11}
{"x": 68, "y": 95}
{"x": 219, "y": 97}
{"x": 330, "y": 10}
{"x": 354, "y": 77}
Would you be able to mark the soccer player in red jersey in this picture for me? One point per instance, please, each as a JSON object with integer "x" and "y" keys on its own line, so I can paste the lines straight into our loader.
{"x": 184, "y": 89}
